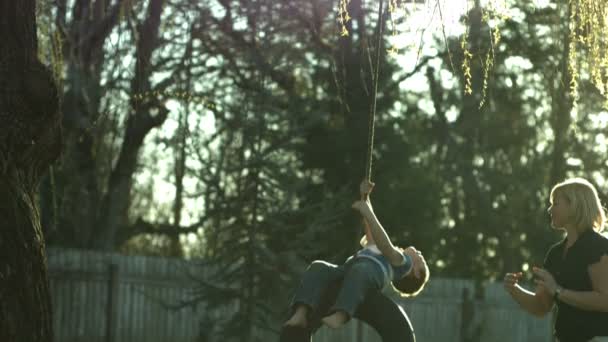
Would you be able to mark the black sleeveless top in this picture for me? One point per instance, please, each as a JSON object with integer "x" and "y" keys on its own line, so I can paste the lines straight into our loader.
{"x": 571, "y": 272}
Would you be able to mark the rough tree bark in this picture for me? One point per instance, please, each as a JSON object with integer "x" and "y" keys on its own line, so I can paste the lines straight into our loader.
{"x": 30, "y": 139}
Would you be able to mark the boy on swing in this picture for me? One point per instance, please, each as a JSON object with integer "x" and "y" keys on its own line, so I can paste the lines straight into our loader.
{"x": 378, "y": 265}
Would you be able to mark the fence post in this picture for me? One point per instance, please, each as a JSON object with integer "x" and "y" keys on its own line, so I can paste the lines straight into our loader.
{"x": 112, "y": 301}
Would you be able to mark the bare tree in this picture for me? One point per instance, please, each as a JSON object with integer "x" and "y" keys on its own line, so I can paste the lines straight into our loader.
{"x": 104, "y": 138}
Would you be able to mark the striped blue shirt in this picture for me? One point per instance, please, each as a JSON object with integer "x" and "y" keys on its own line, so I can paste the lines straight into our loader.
{"x": 391, "y": 273}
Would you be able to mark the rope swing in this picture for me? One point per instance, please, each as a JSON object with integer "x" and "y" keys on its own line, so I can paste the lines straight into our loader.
{"x": 372, "y": 112}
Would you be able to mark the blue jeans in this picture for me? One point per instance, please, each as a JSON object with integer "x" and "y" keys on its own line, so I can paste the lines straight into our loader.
{"x": 358, "y": 276}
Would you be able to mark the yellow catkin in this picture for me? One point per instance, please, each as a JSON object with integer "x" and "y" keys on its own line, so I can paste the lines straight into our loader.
{"x": 149, "y": 96}
{"x": 572, "y": 55}
{"x": 343, "y": 16}
{"x": 57, "y": 58}
{"x": 588, "y": 26}
{"x": 493, "y": 16}
{"x": 466, "y": 63}
{"x": 588, "y": 31}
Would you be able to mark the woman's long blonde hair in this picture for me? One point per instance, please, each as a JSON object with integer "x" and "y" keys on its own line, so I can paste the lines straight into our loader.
{"x": 587, "y": 210}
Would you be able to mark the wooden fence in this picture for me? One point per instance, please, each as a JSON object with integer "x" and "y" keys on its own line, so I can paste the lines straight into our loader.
{"x": 107, "y": 297}
{"x": 112, "y": 298}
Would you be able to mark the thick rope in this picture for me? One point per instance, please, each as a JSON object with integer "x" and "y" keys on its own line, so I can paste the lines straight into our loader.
{"x": 372, "y": 113}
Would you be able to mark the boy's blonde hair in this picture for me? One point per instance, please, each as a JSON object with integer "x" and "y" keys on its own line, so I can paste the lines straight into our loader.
{"x": 410, "y": 285}
{"x": 586, "y": 208}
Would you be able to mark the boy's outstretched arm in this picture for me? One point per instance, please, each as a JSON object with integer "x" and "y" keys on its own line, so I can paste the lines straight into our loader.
{"x": 368, "y": 233}
{"x": 365, "y": 189}
{"x": 378, "y": 233}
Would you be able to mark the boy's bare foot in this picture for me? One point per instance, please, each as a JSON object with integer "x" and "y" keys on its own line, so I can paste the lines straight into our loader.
{"x": 299, "y": 318}
{"x": 335, "y": 320}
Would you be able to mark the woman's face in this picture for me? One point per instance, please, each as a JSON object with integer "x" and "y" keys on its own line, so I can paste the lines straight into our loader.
{"x": 560, "y": 211}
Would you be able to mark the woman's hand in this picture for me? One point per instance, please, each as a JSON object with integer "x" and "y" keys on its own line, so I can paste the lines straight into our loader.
{"x": 545, "y": 280}
{"x": 510, "y": 281}
{"x": 365, "y": 188}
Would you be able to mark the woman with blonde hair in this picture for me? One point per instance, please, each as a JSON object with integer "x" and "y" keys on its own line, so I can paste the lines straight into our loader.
{"x": 574, "y": 275}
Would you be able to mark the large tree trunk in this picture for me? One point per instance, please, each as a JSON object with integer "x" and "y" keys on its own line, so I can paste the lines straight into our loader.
{"x": 29, "y": 142}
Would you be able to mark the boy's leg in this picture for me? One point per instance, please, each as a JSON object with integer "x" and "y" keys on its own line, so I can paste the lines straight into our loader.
{"x": 295, "y": 334}
{"x": 316, "y": 279}
{"x": 299, "y": 317}
{"x": 377, "y": 310}
{"x": 299, "y": 334}
{"x": 360, "y": 278}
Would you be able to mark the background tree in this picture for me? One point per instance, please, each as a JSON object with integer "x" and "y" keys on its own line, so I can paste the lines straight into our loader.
{"x": 237, "y": 132}
{"x": 111, "y": 106}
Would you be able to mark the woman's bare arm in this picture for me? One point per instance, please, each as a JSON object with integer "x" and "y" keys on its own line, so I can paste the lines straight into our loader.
{"x": 596, "y": 300}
